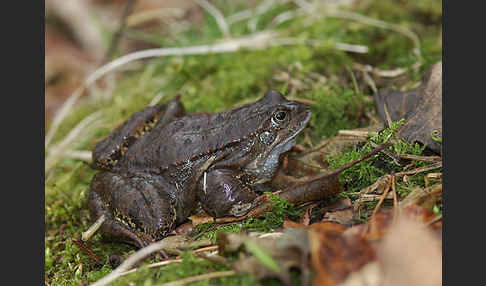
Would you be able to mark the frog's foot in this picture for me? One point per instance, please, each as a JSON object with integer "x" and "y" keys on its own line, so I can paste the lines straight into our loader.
{"x": 241, "y": 209}
{"x": 137, "y": 212}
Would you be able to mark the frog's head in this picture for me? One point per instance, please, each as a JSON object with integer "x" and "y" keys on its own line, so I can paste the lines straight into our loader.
{"x": 283, "y": 121}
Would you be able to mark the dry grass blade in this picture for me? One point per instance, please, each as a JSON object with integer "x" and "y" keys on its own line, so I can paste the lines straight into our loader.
{"x": 131, "y": 261}
{"x": 93, "y": 228}
{"x": 357, "y": 133}
{"x": 58, "y": 151}
{"x": 218, "y": 16}
{"x": 153, "y": 265}
{"x": 420, "y": 170}
{"x": 377, "y": 23}
{"x": 83, "y": 155}
{"x": 421, "y": 158}
{"x": 263, "y": 7}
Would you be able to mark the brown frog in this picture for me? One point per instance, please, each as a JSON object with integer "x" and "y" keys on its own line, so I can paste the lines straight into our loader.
{"x": 161, "y": 164}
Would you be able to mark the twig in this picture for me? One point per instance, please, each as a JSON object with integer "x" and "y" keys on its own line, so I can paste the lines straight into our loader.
{"x": 86, "y": 250}
{"x": 420, "y": 170}
{"x": 218, "y": 16}
{"x": 395, "y": 200}
{"x": 373, "y": 215}
{"x": 378, "y": 149}
{"x": 421, "y": 158}
{"x": 200, "y": 278}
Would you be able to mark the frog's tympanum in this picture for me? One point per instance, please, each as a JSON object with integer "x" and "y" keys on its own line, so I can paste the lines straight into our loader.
{"x": 161, "y": 164}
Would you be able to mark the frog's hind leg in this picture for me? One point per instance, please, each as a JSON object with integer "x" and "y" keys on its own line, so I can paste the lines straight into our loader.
{"x": 137, "y": 212}
{"x": 107, "y": 152}
{"x": 111, "y": 228}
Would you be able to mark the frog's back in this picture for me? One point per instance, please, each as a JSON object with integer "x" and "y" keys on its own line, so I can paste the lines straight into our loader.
{"x": 193, "y": 136}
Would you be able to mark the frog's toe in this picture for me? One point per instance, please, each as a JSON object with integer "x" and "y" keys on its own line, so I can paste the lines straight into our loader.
{"x": 241, "y": 209}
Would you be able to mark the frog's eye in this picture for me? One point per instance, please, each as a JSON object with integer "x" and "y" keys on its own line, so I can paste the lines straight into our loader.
{"x": 280, "y": 115}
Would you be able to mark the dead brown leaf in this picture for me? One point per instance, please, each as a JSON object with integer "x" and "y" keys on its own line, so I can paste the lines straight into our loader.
{"x": 334, "y": 255}
{"x": 421, "y": 107}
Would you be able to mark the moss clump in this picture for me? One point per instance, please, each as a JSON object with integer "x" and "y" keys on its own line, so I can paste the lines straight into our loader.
{"x": 281, "y": 209}
{"x": 368, "y": 171}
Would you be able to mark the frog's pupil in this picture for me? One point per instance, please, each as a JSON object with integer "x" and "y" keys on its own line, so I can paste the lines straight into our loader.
{"x": 280, "y": 115}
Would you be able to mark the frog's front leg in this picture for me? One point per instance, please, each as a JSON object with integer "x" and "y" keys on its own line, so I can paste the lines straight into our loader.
{"x": 221, "y": 193}
{"x": 107, "y": 152}
{"x": 137, "y": 212}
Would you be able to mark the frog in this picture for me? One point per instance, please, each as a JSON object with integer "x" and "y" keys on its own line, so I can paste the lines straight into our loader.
{"x": 163, "y": 164}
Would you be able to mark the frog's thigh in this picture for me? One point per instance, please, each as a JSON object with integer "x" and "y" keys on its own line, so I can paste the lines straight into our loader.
{"x": 145, "y": 212}
{"x": 221, "y": 191}
{"x": 111, "y": 228}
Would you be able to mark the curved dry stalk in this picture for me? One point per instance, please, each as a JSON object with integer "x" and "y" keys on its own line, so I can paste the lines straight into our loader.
{"x": 260, "y": 9}
{"x": 218, "y": 16}
{"x": 200, "y": 278}
{"x": 255, "y": 41}
{"x": 131, "y": 261}
{"x": 377, "y": 23}
{"x": 152, "y": 265}
{"x": 57, "y": 151}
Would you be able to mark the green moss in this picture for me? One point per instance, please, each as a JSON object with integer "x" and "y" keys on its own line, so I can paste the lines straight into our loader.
{"x": 368, "y": 171}
{"x": 281, "y": 210}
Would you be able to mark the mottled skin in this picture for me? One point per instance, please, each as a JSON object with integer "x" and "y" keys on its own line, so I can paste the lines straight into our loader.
{"x": 161, "y": 164}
